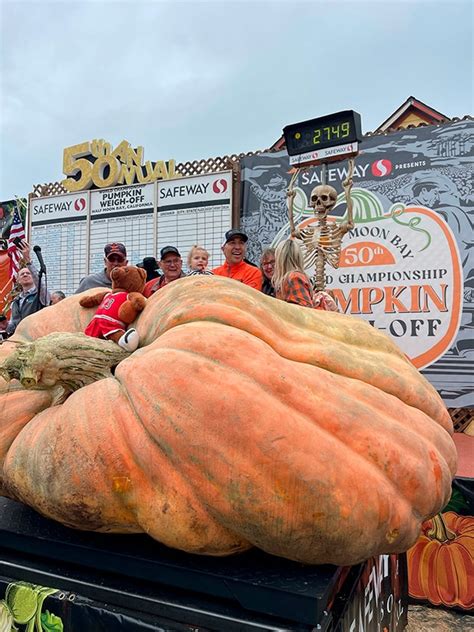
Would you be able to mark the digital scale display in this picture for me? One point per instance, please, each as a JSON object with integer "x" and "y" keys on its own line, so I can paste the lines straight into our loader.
{"x": 341, "y": 128}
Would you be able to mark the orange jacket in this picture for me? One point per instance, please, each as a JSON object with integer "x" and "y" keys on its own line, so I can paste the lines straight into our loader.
{"x": 244, "y": 272}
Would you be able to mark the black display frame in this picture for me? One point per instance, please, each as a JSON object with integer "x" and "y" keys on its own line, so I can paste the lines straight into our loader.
{"x": 327, "y": 121}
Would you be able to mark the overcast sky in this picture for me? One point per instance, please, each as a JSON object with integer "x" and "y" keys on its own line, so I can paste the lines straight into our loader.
{"x": 191, "y": 80}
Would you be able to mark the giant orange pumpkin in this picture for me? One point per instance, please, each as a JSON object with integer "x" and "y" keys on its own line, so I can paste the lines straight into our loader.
{"x": 241, "y": 421}
{"x": 441, "y": 564}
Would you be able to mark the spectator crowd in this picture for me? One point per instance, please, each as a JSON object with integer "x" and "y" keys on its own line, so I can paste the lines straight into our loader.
{"x": 280, "y": 274}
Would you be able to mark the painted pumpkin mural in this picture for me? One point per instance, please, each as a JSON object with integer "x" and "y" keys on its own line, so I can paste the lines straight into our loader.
{"x": 241, "y": 421}
{"x": 441, "y": 564}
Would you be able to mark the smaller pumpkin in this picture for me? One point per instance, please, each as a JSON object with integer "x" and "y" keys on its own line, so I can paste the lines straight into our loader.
{"x": 441, "y": 563}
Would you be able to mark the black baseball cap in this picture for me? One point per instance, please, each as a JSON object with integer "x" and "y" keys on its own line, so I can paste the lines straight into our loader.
{"x": 169, "y": 250}
{"x": 235, "y": 232}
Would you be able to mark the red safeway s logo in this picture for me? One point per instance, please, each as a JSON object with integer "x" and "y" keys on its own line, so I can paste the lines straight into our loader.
{"x": 219, "y": 186}
{"x": 381, "y": 167}
{"x": 80, "y": 204}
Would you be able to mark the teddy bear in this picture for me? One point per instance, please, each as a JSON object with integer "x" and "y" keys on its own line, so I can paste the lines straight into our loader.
{"x": 118, "y": 307}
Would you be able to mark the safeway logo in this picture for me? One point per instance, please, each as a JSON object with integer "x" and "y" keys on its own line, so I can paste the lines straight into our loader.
{"x": 80, "y": 204}
{"x": 381, "y": 168}
{"x": 219, "y": 186}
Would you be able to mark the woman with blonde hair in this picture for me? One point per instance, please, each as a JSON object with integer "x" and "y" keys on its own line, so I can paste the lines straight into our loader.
{"x": 292, "y": 284}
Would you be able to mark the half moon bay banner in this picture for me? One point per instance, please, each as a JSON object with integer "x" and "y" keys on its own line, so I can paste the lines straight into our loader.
{"x": 407, "y": 267}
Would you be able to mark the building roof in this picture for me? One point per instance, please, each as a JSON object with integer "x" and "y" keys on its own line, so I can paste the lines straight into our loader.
{"x": 409, "y": 112}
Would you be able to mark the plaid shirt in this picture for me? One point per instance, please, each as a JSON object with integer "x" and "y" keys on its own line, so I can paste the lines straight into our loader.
{"x": 297, "y": 289}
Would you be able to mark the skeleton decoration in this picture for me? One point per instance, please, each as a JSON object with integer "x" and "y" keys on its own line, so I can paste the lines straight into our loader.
{"x": 322, "y": 240}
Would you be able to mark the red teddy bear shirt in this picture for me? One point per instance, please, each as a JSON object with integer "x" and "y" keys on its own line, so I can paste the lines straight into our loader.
{"x": 106, "y": 320}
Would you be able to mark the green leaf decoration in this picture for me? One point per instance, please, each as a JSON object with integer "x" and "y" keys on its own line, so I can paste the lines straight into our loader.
{"x": 43, "y": 592}
{"x": 51, "y": 623}
{"x": 22, "y": 600}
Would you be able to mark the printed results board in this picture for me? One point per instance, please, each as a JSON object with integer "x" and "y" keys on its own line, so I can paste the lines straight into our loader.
{"x": 72, "y": 229}
{"x": 59, "y": 225}
{"x": 196, "y": 210}
{"x": 123, "y": 214}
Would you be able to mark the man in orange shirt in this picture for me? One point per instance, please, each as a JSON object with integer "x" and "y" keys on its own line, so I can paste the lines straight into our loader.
{"x": 234, "y": 249}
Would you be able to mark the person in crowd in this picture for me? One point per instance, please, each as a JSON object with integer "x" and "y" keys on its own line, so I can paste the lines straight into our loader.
{"x": 115, "y": 255}
{"x": 267, "y": 265}
{"x": 56, "y": 297}
{"x": 198, "y": 260}
{"x": 292, "y": 284}
{"x": 172, "y": 267}
{"x": 151, "y": 267}
{"x": 234, "y": 249}
{"x": 27, "y": 301}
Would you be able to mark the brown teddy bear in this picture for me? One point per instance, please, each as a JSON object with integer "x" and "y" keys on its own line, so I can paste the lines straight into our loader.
{"x": 118, "y": 307}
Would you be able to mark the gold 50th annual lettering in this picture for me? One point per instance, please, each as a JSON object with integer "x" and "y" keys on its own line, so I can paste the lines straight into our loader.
{"x": 95, "y": 163}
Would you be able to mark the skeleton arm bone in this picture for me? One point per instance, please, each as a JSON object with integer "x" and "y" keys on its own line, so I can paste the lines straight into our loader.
{"x": 294, "y": 231}
{"x": 347, "y": 186}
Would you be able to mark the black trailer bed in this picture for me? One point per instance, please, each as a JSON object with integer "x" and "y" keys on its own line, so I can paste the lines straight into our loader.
{"x": 133, "y": 572}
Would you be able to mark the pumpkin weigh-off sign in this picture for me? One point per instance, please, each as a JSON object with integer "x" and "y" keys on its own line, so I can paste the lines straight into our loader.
{"x": 307, "y": 434}
{"x": 401, "y": 272}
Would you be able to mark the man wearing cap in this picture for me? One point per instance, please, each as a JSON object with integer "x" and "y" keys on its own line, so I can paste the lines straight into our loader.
{"x": 115, "y": 256}
{"x": 234, "y": 249}
{"x": 172, "y": 266}
{"x": 151, "y": 267}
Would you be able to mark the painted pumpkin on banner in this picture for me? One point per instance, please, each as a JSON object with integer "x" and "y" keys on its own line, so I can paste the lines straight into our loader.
{"x": 241, "y": 421}
{"x": 400, "y": 270}
{"x": 441, "y": 564}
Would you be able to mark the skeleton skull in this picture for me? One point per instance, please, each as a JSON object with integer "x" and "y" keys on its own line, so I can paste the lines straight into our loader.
{"x": 323, "y": 199}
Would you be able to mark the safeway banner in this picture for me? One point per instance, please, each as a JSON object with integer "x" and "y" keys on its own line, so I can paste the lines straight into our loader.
{"x": 407, "y": 267}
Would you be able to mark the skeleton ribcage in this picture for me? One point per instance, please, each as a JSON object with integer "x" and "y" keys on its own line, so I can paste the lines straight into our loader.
{"x": 322, "y": 241}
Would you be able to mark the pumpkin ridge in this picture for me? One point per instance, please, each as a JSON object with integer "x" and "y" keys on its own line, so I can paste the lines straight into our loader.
{"x": 71, "y": 517}
{"x": 186, "y": 480}
{"x": 243, "y": 375}
{"x": 222, "y": 290}
{"x": 371, "y": 404}
{"x": 197, "y": 483}
{"x": 269, "y": 326}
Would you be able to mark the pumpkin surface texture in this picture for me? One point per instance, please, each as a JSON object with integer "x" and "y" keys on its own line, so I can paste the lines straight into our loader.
{"x": 241, "y": 421}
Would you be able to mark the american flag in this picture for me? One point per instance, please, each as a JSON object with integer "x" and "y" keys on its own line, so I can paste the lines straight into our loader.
{"x": 16, "y": 230}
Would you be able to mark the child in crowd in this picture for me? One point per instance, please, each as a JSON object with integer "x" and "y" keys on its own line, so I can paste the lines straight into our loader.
{"x": 198, "y": 259}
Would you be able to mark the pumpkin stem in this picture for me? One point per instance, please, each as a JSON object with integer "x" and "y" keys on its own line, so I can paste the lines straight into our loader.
{"x": 62, "y": 363}
{"x": 28, "y": 377}
{"x": 439, "y": 531}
